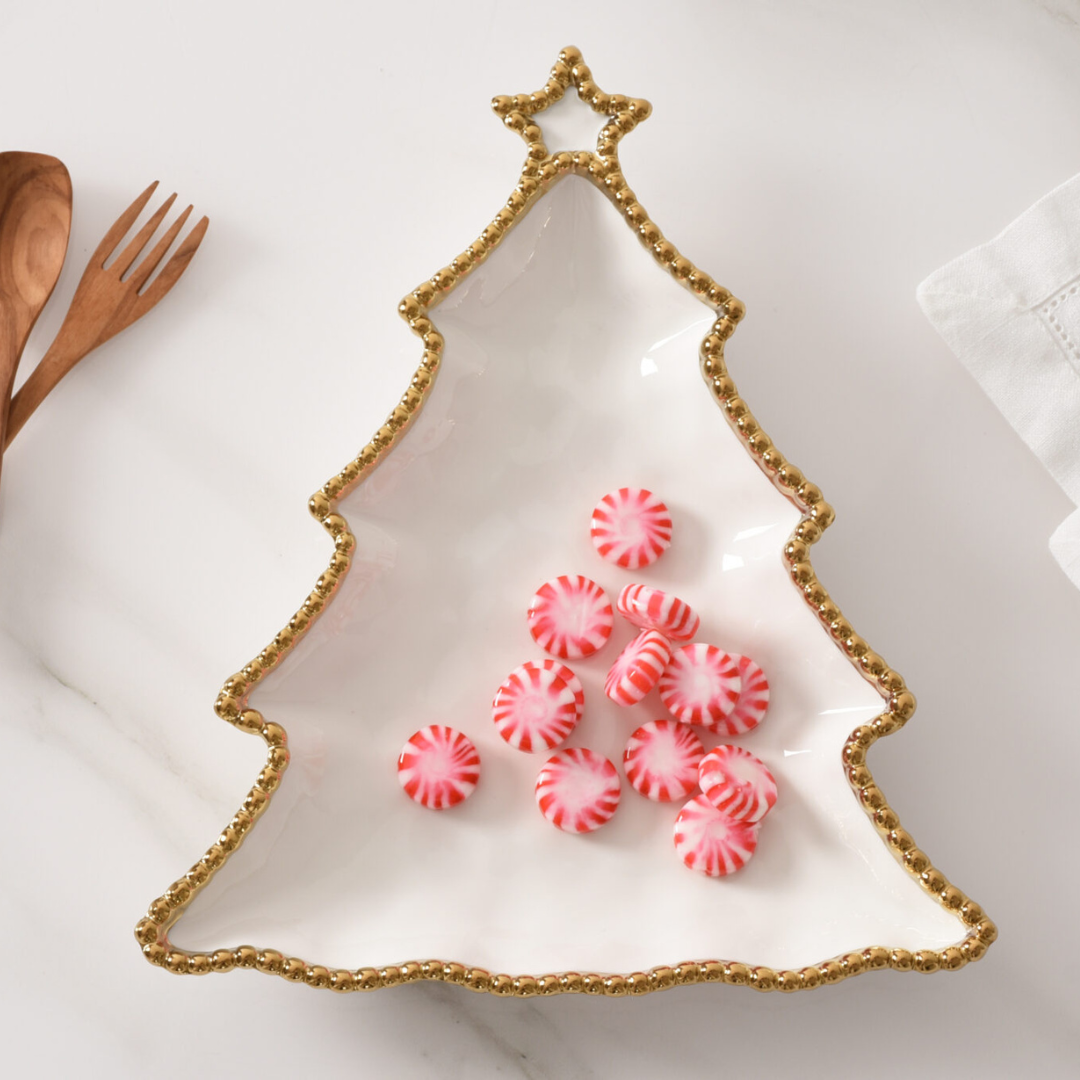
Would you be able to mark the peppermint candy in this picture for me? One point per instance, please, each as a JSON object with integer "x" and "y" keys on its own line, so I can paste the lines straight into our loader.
{"x": 570, "y": 617}
{"x": 438, "y": 767}
{"x": 631, "y": 527}
{"x": 538, "y": 705}
{"x": 712, "y": 843}
{"x": 578, "y": 790}
{"x": 701, "y": 685}
{"x": 638, "y": 668}
{"x": 737, "y": 783}
{"x": 661, "y": 760}
{"x": 652, "y": 609}
{"x": 753, "y": 700}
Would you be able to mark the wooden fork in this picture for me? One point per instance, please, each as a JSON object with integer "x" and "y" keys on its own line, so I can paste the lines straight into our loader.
{"x": 106, "y": 302}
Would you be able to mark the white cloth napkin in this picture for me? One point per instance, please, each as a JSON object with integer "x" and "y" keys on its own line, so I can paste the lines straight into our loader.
{"x": 1010, "y": 310}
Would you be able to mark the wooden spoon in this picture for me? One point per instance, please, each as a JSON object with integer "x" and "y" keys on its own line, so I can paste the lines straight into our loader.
{"x": 35, "y": 221}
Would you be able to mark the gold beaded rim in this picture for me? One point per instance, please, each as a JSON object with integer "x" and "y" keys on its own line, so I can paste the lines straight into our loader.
{"x": 540, "y": 171}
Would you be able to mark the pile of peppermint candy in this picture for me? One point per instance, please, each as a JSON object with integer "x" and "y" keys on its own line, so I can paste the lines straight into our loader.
{"x": 539, "y": 704}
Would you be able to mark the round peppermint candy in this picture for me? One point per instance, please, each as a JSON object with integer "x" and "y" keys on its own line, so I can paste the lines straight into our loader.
{"x": 701, "y": 685}
{"x": 538, "y": 705}
{"x": 578, "y": 790}
{"x": 631, "y": 527}
{"x": 737, "y": 783}
{"x": 570, "y": 617}
{"x": 438, "y": 767}
{"x": 753, "y": 700}
{"x": 661, "y": 760}
{"x": 712, "y": 843}
{"x": 638, "y": 668}
{"x": 652, "y": 609}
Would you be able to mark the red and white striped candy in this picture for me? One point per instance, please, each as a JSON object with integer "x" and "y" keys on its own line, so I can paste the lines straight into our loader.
{"x": 753, "y": 700}
{"x": 438, "y": 767}
{"x": 570, "y": 617}
{"x": 701, "y": 685}
{"x": 737, "y": 783}
{"x": 652, "y": 609}
{"x": 631, "y": 527}
{"x": 578, "y": 790}
{"x": 538, "y": 705}
{"x": 638, "y": 668}
{"x": 661, "y": 760}
{"x": 712, "y": 843}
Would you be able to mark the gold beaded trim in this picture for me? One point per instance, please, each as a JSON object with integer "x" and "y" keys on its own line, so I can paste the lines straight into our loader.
{"x": 540, "y": 172}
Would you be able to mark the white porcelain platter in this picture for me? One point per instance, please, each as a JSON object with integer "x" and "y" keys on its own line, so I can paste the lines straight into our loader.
{"x": 570, "y": 369}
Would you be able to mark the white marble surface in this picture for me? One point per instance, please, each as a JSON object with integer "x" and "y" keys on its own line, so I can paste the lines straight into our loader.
{"x": 153, "y": 533}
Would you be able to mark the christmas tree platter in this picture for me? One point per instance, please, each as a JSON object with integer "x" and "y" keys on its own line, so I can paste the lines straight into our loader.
{"x": 568, "y": 708}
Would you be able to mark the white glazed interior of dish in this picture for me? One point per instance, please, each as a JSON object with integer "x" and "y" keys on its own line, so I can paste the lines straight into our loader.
{"x": 570, "y": 368}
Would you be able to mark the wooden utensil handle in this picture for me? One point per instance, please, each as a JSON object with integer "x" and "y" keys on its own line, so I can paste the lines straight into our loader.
{"x": 54, "y": 365}
{"x": 9, "y": 355}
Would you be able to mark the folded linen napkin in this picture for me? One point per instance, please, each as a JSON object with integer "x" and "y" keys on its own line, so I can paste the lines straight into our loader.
{"x": 1010, "y": 310}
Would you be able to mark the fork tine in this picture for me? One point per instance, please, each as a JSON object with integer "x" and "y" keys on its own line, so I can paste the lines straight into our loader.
{"x": 169, "y": 275}
{"x": 120, "y": 228}
{"x": 149, "y": 264}
{"x": 126, "y": 259}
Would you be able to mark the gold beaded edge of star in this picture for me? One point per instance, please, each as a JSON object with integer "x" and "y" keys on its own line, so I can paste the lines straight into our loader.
{"x": 540, "y": 171}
